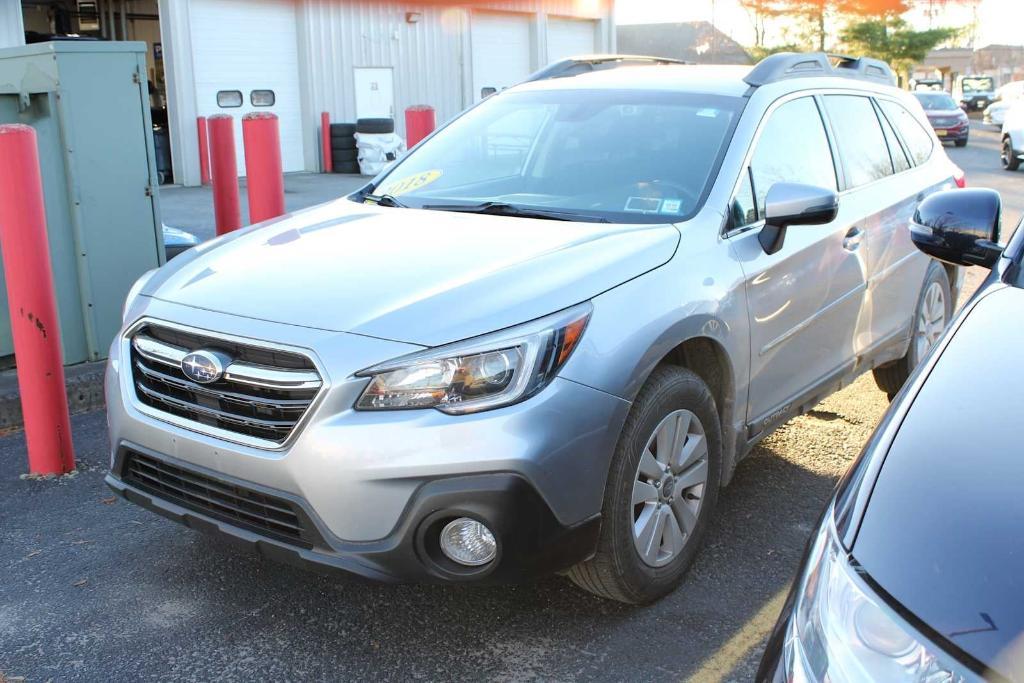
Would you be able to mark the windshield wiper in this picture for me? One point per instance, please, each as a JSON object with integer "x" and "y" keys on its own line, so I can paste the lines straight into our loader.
{"x": 505, "y": 209}
{"x": 384, "y": 200}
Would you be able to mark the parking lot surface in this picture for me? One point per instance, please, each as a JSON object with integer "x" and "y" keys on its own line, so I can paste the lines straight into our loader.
{"x": 96, "y": 589}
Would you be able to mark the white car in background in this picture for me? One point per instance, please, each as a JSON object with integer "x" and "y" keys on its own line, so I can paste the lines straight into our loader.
{"x": 1012, "y": 148}
{"x": 1006, "y": 96}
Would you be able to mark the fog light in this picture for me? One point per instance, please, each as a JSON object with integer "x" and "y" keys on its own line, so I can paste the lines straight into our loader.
{"x": 468, "y": 542}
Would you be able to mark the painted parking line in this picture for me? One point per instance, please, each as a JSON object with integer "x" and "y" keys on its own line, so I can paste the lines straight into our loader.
{"x": 719, "y": 665}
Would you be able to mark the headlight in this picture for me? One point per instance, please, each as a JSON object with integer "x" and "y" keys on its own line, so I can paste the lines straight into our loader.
{"x": 842, "y": 631}
{"x": 483, "y": 373}
{"x": 133, "y": 293}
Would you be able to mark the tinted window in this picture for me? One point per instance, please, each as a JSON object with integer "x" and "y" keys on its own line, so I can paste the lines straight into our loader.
{"x": 918, "y": 140}
{"x": 793, "y": 148}
{"x": 859, "y": 137}
{"x": 896, "y": 151}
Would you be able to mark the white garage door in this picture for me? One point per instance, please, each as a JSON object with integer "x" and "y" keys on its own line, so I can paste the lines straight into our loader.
{"x": 501, "y": 49}
{"x": 570, "y": 38}
{"x": 245, "y": 46}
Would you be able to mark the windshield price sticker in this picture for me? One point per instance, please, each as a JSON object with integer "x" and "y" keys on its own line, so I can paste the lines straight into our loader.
{"x": 411, "y": 183}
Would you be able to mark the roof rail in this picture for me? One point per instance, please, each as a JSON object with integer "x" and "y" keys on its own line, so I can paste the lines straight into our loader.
{"x": 785, "y": 65}
{"x": 581, "y": 64}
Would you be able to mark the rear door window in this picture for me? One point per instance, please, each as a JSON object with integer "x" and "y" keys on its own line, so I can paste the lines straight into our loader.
{"x": 792, "y": 148}
{"x": 860, "y": 139}
{"x": 918, "y": 140}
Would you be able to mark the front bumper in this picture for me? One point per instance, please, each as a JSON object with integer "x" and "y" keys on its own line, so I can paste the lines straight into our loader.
{"x": 373, "y": 483}
{"x": 531, "y": 542}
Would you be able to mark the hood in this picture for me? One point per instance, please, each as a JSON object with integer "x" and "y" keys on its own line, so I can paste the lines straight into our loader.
{"x": 944, "y": 113}
{"x": 942, "y": 531}
{"x": 421, "y": 277}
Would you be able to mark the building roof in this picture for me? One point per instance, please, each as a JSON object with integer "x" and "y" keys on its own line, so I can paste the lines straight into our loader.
{"x": 693, "y": 41}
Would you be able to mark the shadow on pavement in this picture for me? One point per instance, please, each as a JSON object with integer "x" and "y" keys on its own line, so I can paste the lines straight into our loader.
{"x": 96, "y": 587}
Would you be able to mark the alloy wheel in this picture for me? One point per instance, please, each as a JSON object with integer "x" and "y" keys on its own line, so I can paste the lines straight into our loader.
{"x": 669, "y": 488}
{"x": 1007, "y": 151}
{"x": 931, "y": 320}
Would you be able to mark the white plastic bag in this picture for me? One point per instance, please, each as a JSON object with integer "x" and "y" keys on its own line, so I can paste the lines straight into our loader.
{"x": 377, "y": 151}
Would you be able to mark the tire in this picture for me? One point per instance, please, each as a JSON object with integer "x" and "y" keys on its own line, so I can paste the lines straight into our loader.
{"x": 618, "y": 571}
{"x": 1007, "y": 157}
{"x": 378, "y": 126}
{"x": 347, "y": 167}
{"x": 961, "y": 143}
{"x": 340, "y": 155}
{"x": 891, "y": 377}
{"x": 342, "y": 130}
{"x": 347, "y": 142}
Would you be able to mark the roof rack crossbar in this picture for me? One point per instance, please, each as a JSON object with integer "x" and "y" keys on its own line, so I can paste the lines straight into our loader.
{"x": 786, "y": 65}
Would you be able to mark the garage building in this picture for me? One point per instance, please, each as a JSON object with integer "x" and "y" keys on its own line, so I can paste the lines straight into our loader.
{"x": 298, "y": 58}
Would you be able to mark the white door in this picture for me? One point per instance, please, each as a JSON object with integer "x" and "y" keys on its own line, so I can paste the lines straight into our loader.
{"x": 501, "y": 49}
{"x": 570, "y": 38}
{"x": 375, "y": 93}
{"x": 242, "y": 46}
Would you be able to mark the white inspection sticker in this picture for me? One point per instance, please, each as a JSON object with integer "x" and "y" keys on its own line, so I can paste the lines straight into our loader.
{"x": 643, "y": 204}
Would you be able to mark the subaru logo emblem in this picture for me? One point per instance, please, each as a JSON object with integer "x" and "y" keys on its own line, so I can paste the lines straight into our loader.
{"x": 203, "y": 366}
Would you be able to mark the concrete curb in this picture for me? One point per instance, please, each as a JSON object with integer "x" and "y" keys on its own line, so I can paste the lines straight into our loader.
{"x": 84, "y": 383}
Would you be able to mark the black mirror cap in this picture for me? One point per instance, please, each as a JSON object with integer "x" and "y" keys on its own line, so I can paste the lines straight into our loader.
{"x": 789, "y": 204}
{"x": 961, "y": 227}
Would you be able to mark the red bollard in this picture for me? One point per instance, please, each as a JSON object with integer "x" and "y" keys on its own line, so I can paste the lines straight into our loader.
{"x": 32, "y": 304}
{"x": 419, "y": 123}
{"x": 264, "y": 179}
{"x": 325, "y": 142}
{"x": 204, "y": 152}
{"x": 224, "y": 173}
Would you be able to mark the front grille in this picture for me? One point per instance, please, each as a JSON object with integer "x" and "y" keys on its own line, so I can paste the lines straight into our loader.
{"x": 262, "y": 394}
{"x": 945, "y": 123}
{"x": 237, "y": 505}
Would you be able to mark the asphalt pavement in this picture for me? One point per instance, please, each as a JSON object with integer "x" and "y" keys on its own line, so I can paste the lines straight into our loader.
{"x": 94, "y": 588}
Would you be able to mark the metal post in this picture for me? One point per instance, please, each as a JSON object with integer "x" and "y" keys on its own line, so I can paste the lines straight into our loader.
{"x": 32, "y": 304}
{"x": 224, "y": 173}
{"x": 204, "y": 151}
{"x": 325, "y": 142}
{"x": 264, "y": 179}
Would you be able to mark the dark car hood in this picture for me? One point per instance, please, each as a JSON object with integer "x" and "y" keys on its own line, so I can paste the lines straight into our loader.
{"x": 944, "y": 530}
{"x": 943, "y": 113}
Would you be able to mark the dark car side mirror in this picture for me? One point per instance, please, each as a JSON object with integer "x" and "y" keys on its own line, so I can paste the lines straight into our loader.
{"x": 794, "y": 204}
{"x": 960, "y": 226}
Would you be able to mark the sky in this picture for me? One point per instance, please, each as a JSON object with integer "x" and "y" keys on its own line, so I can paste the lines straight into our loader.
{"x": 1000, "y": 21}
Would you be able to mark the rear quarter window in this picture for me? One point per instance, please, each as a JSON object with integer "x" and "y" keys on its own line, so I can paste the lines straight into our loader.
{"x": 918, "y": 140}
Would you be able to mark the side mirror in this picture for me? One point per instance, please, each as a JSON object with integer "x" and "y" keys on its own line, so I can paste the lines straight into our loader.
{"x": 793, "y": 204}
{"x": 487, "y": 91}
{"x": 959, "y": 226}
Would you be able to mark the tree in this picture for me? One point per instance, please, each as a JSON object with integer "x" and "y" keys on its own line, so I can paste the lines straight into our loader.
{"x": 892, "y": 40}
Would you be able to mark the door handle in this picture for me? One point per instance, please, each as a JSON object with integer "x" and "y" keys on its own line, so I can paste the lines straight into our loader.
{"x": 853, "y": 239}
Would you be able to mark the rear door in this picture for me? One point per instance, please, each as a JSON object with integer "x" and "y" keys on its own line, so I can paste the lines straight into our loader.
{"x": 879, "y": 198}
{"x": 804, "y": 301}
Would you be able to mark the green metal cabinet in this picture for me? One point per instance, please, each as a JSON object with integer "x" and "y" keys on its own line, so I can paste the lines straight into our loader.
{"x": 89, "y": 104}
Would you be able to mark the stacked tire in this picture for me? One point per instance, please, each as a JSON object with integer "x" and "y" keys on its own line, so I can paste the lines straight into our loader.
{"x": 344, "y": 155}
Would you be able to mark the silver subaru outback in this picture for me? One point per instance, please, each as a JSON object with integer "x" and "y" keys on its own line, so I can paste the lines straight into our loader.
{"x": 542, "y": 341}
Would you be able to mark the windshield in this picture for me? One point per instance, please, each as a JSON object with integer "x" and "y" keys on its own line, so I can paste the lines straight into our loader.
{"x": 978, "y": 84}
{"x": 936, "y": 101}
{"x": 621, "y": 156}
